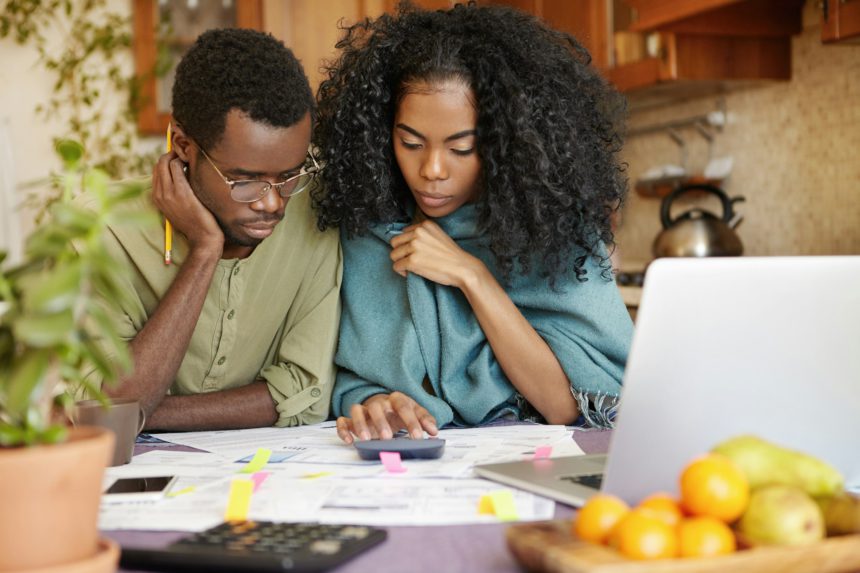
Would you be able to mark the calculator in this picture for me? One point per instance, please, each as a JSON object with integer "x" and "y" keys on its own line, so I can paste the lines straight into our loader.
{"x": 258, "y": 546}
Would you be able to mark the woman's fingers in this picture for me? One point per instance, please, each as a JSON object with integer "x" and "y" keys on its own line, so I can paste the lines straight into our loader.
{"x": 359, "y": 422}
{"x": 379, "y": 411}
{"x": 344, "y": 429}
{"x": 405, "y": 408}
{"x": 428, "y": 422}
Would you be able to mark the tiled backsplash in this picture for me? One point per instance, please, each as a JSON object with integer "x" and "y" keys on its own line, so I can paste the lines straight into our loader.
{"x": 796, "y": 150}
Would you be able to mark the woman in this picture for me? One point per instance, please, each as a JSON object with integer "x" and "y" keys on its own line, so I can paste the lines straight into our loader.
{"x": 471, "y": 166}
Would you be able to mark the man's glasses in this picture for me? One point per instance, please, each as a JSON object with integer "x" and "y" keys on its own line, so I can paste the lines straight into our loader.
{"x": 250, "y": 190}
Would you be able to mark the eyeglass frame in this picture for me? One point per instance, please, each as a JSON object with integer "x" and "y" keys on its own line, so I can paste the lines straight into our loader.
{"x": 304, "y": 171}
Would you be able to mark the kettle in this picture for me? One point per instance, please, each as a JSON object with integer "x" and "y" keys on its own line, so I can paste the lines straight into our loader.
{"x": 698, "y": 233}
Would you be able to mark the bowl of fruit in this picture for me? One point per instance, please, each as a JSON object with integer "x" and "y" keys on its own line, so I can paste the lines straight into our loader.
{"x": 747, "y": 505}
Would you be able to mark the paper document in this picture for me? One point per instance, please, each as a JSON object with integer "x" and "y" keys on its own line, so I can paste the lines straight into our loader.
{"x": 310, "y": 475}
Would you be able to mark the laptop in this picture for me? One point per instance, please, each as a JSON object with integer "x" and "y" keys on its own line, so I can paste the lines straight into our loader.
{"x": 724, "y": 346}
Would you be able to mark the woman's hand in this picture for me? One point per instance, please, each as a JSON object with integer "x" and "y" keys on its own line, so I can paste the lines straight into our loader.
{"x": 380, "y": 416}
{"x": 173, "y": 196}
{"x": 426, "y": 250}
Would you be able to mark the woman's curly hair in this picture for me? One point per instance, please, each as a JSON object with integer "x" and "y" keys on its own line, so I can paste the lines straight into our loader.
{"x": 548, "y": 131}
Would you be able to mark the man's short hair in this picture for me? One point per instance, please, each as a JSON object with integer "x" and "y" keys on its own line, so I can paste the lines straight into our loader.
{"x": 242, "y": 69}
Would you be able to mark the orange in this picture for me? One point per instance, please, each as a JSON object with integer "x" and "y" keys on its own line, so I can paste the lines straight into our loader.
{"x": 705, "y": 537}
{"x": 714, "y": 486}
{"x": 663, "y": 506}
{"x": 598, "y": 516}
{"x": 642, "y": 534}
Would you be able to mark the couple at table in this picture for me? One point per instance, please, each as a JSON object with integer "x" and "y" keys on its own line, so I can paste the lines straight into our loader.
{"x": 439, "y": 256}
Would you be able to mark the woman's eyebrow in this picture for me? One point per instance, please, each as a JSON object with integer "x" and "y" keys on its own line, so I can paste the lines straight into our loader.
{"x": 461, "y": 134}
{"x": 458, "y": 135}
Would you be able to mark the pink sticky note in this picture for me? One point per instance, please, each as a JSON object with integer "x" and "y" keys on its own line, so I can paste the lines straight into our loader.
{"x": 542, "y": 452}
{"x": 258, "y": 479}
{"x": 391, "y": 461}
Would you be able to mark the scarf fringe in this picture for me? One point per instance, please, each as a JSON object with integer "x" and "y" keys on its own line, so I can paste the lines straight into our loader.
{"x": 598, "y": 408}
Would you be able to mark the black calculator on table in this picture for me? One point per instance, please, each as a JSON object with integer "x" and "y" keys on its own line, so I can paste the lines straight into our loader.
{"x": 258, "y": 546}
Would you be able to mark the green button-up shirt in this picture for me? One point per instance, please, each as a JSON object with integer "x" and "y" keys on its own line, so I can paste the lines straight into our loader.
{"x": 273, "y": 315}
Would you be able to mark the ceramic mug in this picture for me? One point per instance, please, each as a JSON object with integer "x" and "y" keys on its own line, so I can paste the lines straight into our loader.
{"x": 124, "y": 417}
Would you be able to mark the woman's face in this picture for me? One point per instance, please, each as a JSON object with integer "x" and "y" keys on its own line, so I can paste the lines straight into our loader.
{"x": 435, "y": 146}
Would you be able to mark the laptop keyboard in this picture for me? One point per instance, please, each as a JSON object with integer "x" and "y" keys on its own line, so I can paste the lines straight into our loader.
{"x": 588, "y": 480}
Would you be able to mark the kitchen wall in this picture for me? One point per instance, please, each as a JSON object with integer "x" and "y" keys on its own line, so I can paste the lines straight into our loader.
{"x": 24, "y": 84}
{"x": 796, "y": 150}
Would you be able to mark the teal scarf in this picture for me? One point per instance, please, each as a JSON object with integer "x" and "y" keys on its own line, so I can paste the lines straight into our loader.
{"x": 394, "y": 332}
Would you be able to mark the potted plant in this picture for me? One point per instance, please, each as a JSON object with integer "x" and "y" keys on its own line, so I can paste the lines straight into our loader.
{"x": 53, "y": 331}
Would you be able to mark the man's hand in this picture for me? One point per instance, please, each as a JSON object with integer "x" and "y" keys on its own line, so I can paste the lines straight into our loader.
{"x": 173, "y": 196}
{"x": 426, "y": 250}
{"x": 382, "y": 415}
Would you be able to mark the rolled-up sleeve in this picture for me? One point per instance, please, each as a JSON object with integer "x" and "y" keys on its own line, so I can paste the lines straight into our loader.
{"x": 302, "y": 379}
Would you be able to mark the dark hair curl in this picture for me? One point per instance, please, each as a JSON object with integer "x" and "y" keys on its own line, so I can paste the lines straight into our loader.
{"x": 548, "y": 131}
{"x": 238, "y": 69}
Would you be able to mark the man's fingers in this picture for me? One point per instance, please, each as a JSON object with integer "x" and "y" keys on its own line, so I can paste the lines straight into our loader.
{"x": 160, "y": 175}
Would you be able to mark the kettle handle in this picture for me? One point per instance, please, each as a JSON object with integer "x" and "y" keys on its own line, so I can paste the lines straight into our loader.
{"x": 666, "y": 205}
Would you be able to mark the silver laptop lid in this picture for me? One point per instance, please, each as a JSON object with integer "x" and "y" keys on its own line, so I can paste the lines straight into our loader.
{"x": 769, "y": 346}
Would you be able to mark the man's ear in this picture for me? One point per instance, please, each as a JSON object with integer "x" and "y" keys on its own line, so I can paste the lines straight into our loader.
{"x": 181, "y": 142}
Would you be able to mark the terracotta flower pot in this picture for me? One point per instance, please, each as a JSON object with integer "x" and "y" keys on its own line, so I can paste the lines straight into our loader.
{"x": 49, "y": 500}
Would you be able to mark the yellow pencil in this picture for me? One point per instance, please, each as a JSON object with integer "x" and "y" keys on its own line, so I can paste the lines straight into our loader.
{"x": 168, "y": 228}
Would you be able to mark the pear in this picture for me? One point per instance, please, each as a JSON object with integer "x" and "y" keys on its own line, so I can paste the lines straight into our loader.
{"x": 841, "y": 513}
{"x": 766, "y": 463}
{"x": 781, "y": 515}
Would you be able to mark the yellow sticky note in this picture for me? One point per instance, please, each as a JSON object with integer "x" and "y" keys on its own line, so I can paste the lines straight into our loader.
{"x": 485, "y": 506}
{"x": 239, "y": 501}
{"x": 188, "y": 489}
{"x": 316, "y": 475}
{"x": 503, "y": 505}
{"x": 260, "y": 459}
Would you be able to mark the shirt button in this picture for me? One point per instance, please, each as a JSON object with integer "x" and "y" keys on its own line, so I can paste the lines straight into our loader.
{"x": 221, "y": 361}
{"x": 230, "y": 315}
{"x": 236, "y": 270}
{"x": 315, "y": 392}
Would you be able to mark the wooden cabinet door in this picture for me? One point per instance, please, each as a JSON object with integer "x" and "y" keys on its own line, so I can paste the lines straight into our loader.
{"x": 586, "y": 20}
{"x": 840, "y": 20}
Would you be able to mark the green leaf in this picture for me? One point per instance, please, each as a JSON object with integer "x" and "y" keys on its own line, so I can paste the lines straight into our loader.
{"x": 54, "y": 291}
{"x": 96, "y": 181}
{"x": 53, "y": 434}
{"x": 26, "y": 378}
{"x": 100, "y": 360}
{"x": 130, "y": 218}
{"x": 71, "y": 152}
{"x": 42, "y": 331}
{"x": 76, "y": 221}
{"x": 11, "y": 436}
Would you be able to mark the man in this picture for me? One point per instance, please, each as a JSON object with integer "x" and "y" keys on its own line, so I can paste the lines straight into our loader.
{"x": 240, "y": 330}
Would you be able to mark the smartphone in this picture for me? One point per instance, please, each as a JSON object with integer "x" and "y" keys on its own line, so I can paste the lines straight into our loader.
{"x": 139, "y": 489}
{"x": 408, "y": 449}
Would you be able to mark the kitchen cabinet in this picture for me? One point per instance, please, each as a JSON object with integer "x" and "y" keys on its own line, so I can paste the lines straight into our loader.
{"x": 186, "y": 19}
{"x": 840, "y": 20}
{"x": 694, "y": 47}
